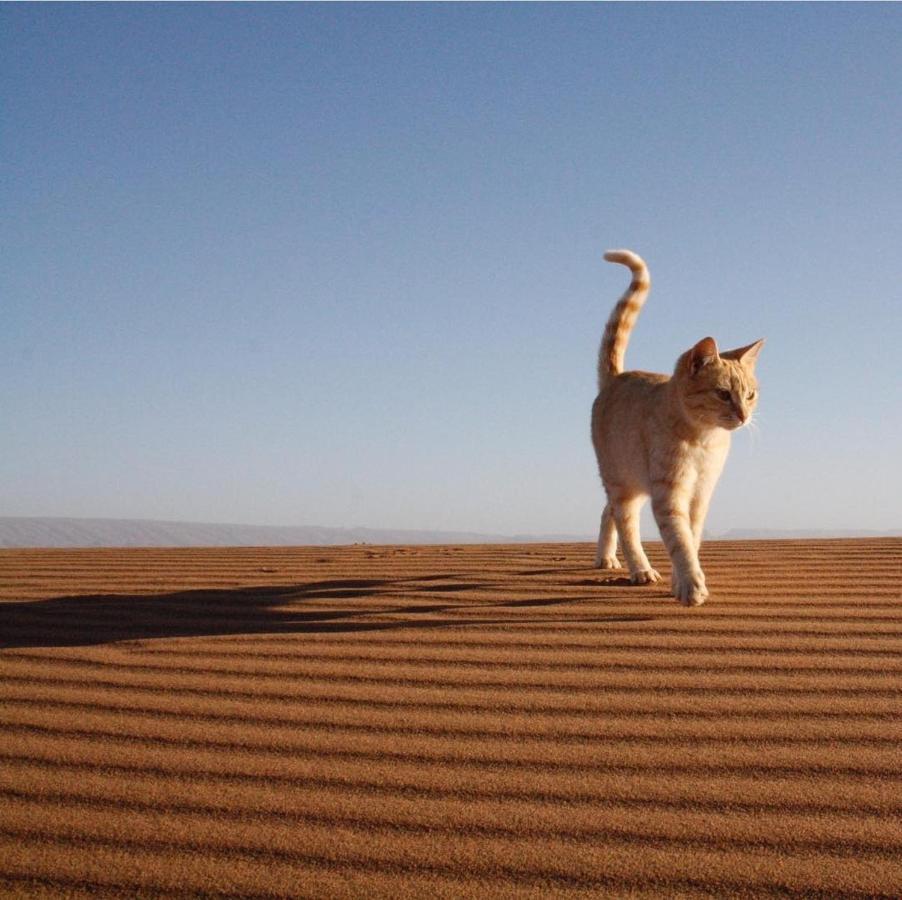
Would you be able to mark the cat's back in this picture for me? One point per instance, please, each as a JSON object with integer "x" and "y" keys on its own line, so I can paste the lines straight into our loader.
{"x": 630, "y": 389}
{"x": 627, "y": 406}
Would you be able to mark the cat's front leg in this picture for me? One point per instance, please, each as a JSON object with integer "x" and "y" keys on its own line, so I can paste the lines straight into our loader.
{"x": 704, "y": 487}
{"x": 687, "y": 580}
{"x": 626, "y": 515}
{"x": 697, "y": 512}
{"x": 690, "y": 589}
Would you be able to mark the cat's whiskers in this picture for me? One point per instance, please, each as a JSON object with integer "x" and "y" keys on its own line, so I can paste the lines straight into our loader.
{"x": 754, "y": 429}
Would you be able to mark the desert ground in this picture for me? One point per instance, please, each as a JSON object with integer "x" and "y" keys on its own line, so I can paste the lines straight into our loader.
{"x": 449, "y": 721}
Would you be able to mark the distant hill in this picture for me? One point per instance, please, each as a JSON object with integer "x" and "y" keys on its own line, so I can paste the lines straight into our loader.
{"x": 760, "y": 534}
{"x": 61, "y": 532}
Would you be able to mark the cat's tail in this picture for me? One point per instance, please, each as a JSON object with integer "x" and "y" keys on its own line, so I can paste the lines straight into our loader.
{"x": 620, "y": 324}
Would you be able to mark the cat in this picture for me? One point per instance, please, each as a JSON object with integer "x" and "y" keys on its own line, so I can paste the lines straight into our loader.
{"x": 666, "y": 437}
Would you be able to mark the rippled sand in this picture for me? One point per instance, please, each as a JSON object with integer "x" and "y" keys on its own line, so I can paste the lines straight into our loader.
{"x": 499, "y": 721}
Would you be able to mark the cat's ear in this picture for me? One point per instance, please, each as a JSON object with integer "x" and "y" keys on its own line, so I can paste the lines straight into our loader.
{"x": 702, "y": 354}
{"x": 747, "y": 355}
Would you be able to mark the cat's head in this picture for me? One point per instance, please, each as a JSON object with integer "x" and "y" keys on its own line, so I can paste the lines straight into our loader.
{"x": 718, "y": 390}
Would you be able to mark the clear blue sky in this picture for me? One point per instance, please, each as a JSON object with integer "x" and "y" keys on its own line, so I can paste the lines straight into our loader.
{"x": 342, "y": 264}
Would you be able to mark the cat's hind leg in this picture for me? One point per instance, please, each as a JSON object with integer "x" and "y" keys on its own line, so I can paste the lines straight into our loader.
{"x": 625, "y": 511}
{"x": 606, "y": 552}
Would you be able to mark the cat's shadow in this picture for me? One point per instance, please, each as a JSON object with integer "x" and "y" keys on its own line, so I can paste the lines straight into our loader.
{"x": 325, "y": 606}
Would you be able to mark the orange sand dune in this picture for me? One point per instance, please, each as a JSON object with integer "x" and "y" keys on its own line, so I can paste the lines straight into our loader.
{"x": 500, "y": 721}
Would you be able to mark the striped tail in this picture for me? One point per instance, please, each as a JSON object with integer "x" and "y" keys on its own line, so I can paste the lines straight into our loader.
{"x": 620, "y": 324}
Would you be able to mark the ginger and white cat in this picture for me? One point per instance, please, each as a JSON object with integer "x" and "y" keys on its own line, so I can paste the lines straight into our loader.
{"x": 666, "y": 437}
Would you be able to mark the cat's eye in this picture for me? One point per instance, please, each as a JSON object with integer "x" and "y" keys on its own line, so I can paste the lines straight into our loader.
{"x": 724, "y": 395}
{"x": 750, "y": 395}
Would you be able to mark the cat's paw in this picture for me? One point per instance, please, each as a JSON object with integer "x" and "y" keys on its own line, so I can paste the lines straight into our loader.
{"x": 607, "y": 562}
{"x": 645, "y": 576}
{"x": 690, "y": 589}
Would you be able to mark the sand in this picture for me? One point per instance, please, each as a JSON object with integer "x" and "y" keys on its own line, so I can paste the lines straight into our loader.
{"x": 491, "y": 721}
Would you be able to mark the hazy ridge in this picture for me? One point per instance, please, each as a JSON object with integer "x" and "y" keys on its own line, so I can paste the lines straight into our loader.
{"x": 73, "y": 532}
{"x": 760, "y": 534}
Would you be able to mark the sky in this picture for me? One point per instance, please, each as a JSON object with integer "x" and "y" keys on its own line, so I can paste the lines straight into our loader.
{"x": 341, "y": 265}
